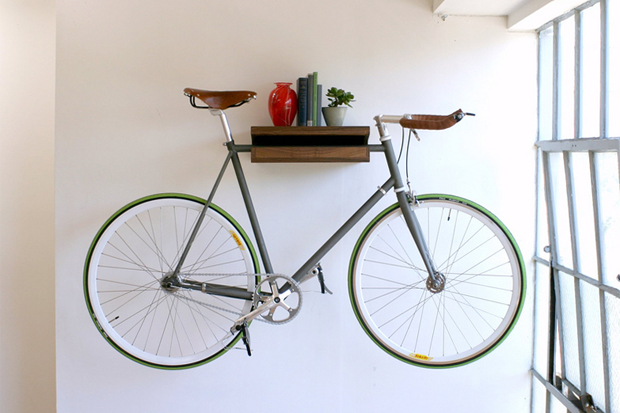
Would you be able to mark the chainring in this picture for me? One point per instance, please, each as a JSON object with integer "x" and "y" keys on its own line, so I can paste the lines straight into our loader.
{"x": 283, "y": 294}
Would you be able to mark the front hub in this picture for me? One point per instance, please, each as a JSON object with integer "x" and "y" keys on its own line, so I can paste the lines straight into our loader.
{"x": 436, "y": 284}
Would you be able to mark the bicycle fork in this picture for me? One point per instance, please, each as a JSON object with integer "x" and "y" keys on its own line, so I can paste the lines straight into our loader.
{"x": 435, "y": 281}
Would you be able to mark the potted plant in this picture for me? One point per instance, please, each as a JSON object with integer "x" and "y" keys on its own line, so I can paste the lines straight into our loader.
{"x": 337, "y": 108}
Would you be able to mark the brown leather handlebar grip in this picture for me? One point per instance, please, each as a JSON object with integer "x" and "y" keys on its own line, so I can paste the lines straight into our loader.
{"x": 432, "y": 122}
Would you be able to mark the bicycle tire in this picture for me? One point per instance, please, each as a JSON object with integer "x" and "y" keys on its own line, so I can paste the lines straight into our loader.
{"x": 140, "y": 244}
{"x": 484, "y": 288}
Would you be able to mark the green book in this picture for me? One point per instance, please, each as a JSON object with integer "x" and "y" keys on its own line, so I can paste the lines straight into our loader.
{"x": 319, "y": 114}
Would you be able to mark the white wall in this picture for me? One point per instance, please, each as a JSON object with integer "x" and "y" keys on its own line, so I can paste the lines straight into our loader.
{"x": 27, "y": 341}
{"x": 124, "y": 130}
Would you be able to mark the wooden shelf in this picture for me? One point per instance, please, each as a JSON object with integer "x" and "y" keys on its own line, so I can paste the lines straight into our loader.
{"x": 310, "y": 144}
{"x": 310, "y": 154}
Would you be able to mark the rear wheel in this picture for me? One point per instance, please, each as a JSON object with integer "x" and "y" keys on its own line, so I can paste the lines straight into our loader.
{"x": 134, "y": 306}
{"x": 463, "y": 317}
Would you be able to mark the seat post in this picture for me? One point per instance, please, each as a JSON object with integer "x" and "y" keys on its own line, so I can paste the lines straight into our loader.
{"x": 224, "y": 120}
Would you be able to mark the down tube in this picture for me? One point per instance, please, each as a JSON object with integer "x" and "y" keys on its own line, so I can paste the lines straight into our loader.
{"x": 343, "y": 230}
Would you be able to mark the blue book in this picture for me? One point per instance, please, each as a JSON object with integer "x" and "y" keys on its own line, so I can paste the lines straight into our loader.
{"x": 315, "y": 99}
{"x": 302, "y": 101}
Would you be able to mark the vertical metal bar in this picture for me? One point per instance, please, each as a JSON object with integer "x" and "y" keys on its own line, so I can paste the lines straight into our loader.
{"x": 537, "y": 276}
{"x": 578, "y": 74}
{"x": 605, "y": 349}
{"x": 553, "y": 235}
{"x": 604, "y": 126}
{"x": 570, "y": 192}
{"x": 598, "y": 222}
{"x": 537, "y": 247}
{"x": 554, "y": 304}
{"x": 539, "y": 82}
{"x": 555, "y": 134}
{"x": 552, "y": 324}
{"x": 604, "y": 69}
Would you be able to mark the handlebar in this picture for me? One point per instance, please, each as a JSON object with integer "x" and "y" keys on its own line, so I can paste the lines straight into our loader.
{"x": 430, "y": 122}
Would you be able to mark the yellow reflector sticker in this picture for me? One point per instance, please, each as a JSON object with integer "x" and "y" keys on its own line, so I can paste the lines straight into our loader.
{"x": 420, "y": 357}
{"x": 237, "y": 240}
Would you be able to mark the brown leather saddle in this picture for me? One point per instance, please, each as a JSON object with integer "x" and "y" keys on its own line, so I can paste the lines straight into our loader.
{"x": 219, "y": 99}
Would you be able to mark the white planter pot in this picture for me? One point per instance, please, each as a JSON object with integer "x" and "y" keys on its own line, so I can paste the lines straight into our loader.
{"x": 334, "y": 116}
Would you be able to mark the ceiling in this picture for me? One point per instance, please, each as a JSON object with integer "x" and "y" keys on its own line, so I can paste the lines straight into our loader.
{"x": 522, "y": 15}
{"x": 477, "y": 7}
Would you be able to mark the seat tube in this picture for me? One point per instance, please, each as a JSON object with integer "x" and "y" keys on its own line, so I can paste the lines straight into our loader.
{"x": 245, "y": 192}
{"x": 249, "y": 206}
{"x": 401, "y": 195}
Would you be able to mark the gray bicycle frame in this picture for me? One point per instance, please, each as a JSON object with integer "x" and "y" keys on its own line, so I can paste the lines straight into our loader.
{"x": 395, "y": 181}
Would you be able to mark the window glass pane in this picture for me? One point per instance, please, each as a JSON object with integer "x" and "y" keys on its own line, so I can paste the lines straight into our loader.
{"x": 584, "y": 214}
{"x": 592, "y": 343}
{"x": 608, "y": 186}
{"x": 539, "y": 396}
{"x": 541, "y": 315}
{"x": 613, "y": 10}
{"x": 591, "y": 71}
{"x": 559, "y": 199}
{"x": 612, "y": 305}
{"x": 545, "y": 68}
{"x": 569, "y": 328}
{"x": 566, "y": 79}
{"x": 557, "y": 406}
{"x": 542, "y": 230}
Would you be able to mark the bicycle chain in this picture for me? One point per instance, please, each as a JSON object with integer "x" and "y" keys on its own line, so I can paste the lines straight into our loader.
{"x": 215, "y": 307}
{"x": 203, "y": 304}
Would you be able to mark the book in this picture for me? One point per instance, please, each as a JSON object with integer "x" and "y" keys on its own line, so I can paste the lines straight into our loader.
{"x": 310, "y": 100}
{"x": 302, "y": 101}
{"x": 319, "y": 112}
{"x": 315, "y": 98}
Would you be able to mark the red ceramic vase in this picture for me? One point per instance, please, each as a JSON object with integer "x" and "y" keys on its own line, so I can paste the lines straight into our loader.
{"x": 282, "y": 104}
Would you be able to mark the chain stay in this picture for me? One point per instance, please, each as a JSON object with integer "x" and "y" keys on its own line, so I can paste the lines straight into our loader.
{"x": 255, "y": 314}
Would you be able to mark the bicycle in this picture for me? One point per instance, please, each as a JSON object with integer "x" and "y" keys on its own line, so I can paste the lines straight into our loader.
{"x": 172, "y": 281}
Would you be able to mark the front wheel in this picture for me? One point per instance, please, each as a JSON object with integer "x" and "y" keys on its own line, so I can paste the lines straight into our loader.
{"x": 138, "y": 311}
{"x": 479, "y": 298}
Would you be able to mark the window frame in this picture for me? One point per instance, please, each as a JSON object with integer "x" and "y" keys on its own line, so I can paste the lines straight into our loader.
{"x": 550, "y": 302}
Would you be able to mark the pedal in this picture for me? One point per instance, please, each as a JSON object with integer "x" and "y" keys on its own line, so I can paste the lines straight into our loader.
{"x": 321, "y": 278}
{"x": 245, "y": 336}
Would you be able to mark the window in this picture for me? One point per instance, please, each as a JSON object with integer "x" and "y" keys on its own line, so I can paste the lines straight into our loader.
{"x": 577, "y": 288}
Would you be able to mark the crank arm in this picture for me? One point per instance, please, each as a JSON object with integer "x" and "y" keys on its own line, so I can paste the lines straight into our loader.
{"x": 268, "y": 304}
